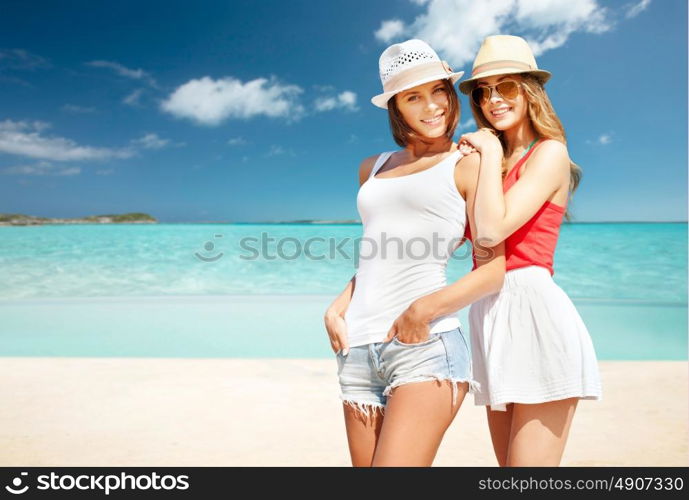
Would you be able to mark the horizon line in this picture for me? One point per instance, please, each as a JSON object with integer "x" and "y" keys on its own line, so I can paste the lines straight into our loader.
{"x": 359, "y": 222}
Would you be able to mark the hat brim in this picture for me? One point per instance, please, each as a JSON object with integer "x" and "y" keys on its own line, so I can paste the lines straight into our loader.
{"x": 381, "y": 100}
{"x": 466, "y": 86}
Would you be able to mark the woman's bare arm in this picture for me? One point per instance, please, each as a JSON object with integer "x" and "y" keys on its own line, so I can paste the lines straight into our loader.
{"x": 499, "y": 215}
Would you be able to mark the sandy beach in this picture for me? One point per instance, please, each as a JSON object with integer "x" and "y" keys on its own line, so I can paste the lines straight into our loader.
{"x": 263, "y": 412}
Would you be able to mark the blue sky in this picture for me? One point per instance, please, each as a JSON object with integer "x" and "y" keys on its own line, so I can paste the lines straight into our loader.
{"x": 259, "y": 111}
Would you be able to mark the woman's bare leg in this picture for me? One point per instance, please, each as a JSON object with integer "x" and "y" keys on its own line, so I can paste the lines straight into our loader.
{"x": 539, "y": 432}
{"x": 500, "y": 426}
{"x": 416, "y": 418}
{"x": 362, "y": 433}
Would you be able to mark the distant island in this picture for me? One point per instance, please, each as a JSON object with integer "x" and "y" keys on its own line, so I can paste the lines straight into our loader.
{"x": 142, "y": 218}
{"x": 137, "y": 218}
{"x": 31, "y": 220}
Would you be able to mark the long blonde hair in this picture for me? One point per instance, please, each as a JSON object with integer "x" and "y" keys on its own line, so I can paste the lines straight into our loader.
{"x": 543, "y": 119}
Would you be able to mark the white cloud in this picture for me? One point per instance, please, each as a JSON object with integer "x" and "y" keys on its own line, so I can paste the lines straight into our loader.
{"x": 25, "y": 139}
{"x": 470, "y": 124}
{"x": 389, "y": 30}
{"x": 605, "y": 139}
{"x": 345, "y": 100}
{"x": 324, "y": 88}
{"x": 237, "y": 141}
{"x": 325, "y": 103}
{"x": 151, "y": 141}
{"x": 601, "y": 140}
{"x": 20, "y": 59}
{"x": 41, "y": 168}
{"x": 276, "y": 150}
{"x": 14, "y": 80}
{"x": 210, "y": 102}
{"x": 71, "y": 108}
{"x": 37, "y": 125}
{"x": 135, "y": 74}
{"x": 133, "y": 98}
{"x": 636, "y": 9}
{"x": 547, "y": 14}
{"x": 456, "y": 28}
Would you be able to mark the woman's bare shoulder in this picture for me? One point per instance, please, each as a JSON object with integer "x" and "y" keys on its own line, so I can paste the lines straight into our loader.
{"x": 365, "y": 168}
{"x": 468, "y": 166}
{"x": 553, "y": 149}
{"x": 466, "y": 173}
{"x": 551, "y": 157}
{"x": 469, "y": 162}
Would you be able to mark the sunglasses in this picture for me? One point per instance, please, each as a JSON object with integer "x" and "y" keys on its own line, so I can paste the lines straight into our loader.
{"x": 507, "y": 89}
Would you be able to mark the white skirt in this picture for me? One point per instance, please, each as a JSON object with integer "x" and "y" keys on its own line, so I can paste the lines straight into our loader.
{"x": 529, "y": 344}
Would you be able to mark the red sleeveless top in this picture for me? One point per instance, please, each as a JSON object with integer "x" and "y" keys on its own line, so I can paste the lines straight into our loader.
{"x": 534, "y": 243}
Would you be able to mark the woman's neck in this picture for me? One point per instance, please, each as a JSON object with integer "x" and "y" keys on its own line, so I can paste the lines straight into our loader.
{"x": 417, "y": 149}
{"x": 519, "y": 137}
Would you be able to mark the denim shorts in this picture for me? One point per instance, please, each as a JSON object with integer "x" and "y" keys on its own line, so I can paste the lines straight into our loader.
{"x": 368, "y": 373}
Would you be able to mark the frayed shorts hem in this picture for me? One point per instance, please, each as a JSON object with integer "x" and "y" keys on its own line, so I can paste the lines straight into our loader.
{"x": 368, "y": 374}
{"x": 370, "y": 407}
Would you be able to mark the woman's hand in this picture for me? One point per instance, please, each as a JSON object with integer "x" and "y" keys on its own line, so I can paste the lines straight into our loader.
{"x": 410, "y": 327}
{"x": 483, "y": 140}
{"x": 336, "y": 327}
{"x": 465, "y": 148}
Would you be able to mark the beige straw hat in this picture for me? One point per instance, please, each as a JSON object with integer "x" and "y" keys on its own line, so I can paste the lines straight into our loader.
{"x": 408, "y": 64}
{"x": 500, "y": 55}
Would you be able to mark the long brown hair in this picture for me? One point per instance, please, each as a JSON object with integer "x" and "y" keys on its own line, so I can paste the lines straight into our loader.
{"x": 543, "y": 119}
{"x": 403, "y": 133}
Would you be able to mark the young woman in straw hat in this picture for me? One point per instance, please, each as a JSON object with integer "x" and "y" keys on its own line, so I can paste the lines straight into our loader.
{"x": 404, "y": 364}
{"x": 532, "y": 353}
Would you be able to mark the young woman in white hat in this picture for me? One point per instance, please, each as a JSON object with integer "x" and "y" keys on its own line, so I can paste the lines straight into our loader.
{"x": 404, "y": 363}
{"x": 532, "y": 353}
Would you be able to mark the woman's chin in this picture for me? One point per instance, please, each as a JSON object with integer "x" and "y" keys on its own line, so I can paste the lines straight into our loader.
{"x": 502, "y": 124}
{"x": 434, "y": 133}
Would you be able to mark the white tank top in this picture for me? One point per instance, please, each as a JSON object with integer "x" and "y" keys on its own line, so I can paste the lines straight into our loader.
{"x": 398, "y": 259}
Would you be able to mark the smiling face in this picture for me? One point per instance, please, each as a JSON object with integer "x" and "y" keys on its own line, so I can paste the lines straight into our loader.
{"x": 426, "y": 109}
{"x": 501, "y": 112}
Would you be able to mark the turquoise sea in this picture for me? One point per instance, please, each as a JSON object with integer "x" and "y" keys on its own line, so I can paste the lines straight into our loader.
{"x": 260, "y": 290}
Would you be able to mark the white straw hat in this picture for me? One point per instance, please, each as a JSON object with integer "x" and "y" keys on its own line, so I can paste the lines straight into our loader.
{"x": 501, "y": 55}
{"x": 408, "y": 64}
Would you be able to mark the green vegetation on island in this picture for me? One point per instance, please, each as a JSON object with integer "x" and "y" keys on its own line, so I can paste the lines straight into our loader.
{"x": 31, "y": 220}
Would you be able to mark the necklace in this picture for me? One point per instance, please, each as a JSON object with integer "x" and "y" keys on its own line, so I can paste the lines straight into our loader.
{"x": 505, "y": 171}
